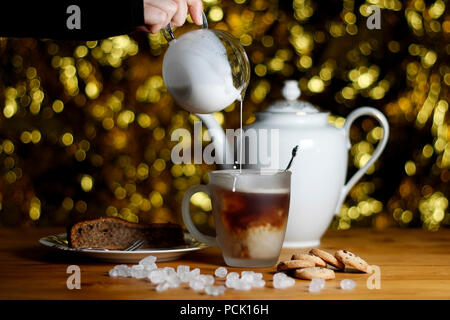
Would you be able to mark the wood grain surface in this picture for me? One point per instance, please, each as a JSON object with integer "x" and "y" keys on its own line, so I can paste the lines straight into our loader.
{"x": 414, "y": 264}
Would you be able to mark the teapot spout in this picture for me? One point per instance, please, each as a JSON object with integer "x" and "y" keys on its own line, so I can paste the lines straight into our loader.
{"x": 223, "y": 153}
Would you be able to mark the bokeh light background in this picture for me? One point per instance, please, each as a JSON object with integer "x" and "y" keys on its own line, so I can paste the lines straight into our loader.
{"x": 85, "y": 126}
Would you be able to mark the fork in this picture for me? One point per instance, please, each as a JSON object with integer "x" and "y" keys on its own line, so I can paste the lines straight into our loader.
{"x": 134, "y": 246}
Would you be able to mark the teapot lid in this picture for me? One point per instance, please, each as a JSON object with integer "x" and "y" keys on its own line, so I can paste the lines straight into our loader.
{"x": 291, "y": 92}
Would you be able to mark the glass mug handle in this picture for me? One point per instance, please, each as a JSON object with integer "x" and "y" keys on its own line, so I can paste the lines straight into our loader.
{"x": 210, "y": 241}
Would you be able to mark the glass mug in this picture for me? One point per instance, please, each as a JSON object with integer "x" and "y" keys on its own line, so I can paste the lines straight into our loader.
{"x": 250, "y": 211}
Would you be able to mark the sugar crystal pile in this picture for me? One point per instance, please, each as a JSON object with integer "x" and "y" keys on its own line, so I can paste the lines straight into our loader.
{"x": 196, "y": 284}
{"x": 282, "y": 281}
{"x": 138, "y": 272}
{"x": 121, "y": 270}
{"x": 168, "y": 277}
{"x": 246, "y": 281}
{"x": 316, "y": 285}
{"x": 157, "y": 276}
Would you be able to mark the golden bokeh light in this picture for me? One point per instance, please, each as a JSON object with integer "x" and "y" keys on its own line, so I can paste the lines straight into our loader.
{"x": 87, "y": 183}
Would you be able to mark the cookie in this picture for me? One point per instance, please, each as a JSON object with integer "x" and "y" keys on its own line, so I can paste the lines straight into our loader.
{"x": 314, "y": 273}
{"x": 294, "y": 264}
{"x": 328, "y": 258}
{"x": 310, "y": 257}
{"x": 352, "y": 260}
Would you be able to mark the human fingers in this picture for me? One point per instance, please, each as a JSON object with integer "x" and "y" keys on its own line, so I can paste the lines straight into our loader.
{"x": 180, "y": 16}
{"x": 195, "y": 10}
{"x": 154, "y": 18}
{"x": 170, "y": 7}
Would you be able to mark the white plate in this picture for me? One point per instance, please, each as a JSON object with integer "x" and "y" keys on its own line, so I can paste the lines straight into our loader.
{"x": 59, "y": 242}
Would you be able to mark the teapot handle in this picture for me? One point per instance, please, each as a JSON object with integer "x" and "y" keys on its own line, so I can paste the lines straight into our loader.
{"x": 364, "y": 111}
{"x": 168, "y": 32}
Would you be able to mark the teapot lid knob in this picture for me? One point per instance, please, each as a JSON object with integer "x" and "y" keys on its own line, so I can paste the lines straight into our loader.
{"x": 291, "y": 103}
{"x": 291, "y": 91}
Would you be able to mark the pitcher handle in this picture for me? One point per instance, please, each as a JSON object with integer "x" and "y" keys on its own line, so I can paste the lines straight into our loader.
{"x": 210, "y": 241}
{"x": 364, "y": 111}
{"x": 168, "y": 32}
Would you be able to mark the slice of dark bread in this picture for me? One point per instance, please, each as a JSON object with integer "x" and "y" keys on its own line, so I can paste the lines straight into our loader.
{"x": 117, "y": 234}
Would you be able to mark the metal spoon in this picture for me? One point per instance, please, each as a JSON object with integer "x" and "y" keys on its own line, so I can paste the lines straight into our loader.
{"x": 294, "y": 153}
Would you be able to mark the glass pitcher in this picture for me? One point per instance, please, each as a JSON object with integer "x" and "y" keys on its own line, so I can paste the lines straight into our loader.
{"x": 205, "y": 70}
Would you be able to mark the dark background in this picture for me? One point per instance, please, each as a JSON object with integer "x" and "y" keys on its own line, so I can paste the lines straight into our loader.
{"x": 85, "y": 126}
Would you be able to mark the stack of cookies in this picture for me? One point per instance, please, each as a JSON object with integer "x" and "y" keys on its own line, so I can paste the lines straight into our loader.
{"x": 319, "y": 264}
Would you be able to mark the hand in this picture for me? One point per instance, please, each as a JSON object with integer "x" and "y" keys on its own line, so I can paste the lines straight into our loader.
{"x": 159, "y": 13}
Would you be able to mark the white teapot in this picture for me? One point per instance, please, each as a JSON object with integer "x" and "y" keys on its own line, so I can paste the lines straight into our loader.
{"x": 318, "y": 186}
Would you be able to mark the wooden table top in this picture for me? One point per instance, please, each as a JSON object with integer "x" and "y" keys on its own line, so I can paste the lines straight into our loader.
{"x": 414, "y": 264}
